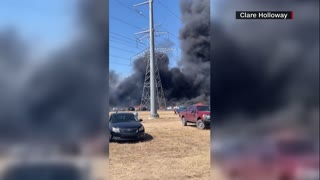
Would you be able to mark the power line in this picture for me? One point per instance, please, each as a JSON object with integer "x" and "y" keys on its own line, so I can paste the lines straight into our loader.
{"x": 122, "y": 49}
{"x": 173, "y": 35}
{"x": 170, "y": 33}
{"x": 124, "y": 22}
{"x": 124, "y": 5}
{"x": 126, "y": 38}
{"x": 163, "y": 5}
{"x": 115, "y": 56}
{"x": 112, "y": 62}
{"x": 122, "y": 36}
{"x": 124, "y": 42}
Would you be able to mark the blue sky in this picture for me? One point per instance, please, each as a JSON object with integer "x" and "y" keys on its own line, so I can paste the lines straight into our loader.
{"x": 125, "y": 21}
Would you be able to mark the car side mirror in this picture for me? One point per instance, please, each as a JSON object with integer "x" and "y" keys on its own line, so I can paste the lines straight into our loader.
{"x": 140, "y": 120}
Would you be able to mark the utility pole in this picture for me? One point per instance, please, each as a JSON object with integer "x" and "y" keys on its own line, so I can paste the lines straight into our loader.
{"x": 153, "y": 108}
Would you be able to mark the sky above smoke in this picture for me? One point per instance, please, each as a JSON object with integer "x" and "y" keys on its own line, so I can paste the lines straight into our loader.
{"x": 63, "y": 98}
{"x": 187, "y": 83}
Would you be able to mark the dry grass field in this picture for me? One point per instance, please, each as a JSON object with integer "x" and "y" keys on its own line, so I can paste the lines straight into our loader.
{"x": 171, "y": 152}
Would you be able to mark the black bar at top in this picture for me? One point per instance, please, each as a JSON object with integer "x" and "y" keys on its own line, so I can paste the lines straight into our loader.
{"x": 264, "y": 14}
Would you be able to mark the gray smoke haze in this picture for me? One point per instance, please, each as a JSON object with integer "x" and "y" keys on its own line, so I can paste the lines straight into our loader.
{"x": 266, "y": 69}
{"x": 185, "y": 84}
{"x": 65, "y": 98}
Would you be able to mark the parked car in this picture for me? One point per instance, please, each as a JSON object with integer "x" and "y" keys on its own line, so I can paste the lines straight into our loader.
{"x": 290, "y": 158}
{"x": 180, "y": 109}
{"x": 131, "y": 109}
{"x": 199, "y": 114}
{"x": 125, "y": 126}
{"x": 144, "y": 108}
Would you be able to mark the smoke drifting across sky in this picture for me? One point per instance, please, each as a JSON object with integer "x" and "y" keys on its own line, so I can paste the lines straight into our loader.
{"x": 187, "y": 83}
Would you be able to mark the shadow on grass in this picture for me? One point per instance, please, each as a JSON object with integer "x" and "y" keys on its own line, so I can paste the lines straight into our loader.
{"x": 194, "y": 126}
{"x": 147, "y": 138}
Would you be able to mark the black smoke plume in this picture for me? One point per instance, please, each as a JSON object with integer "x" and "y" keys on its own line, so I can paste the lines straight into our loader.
{"x": 265, "y": 70}
{"x": 63, "y": 98}
{"x": 185, "y": 84}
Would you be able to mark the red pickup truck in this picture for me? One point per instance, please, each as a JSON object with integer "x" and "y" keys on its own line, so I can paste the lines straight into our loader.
{"x": 199, "y": 114}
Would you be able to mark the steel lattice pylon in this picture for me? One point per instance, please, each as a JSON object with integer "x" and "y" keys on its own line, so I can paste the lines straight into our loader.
{"x": 160, "y": 97}
{"x": 159, "y": 90}
{"x": 145, "y": 99}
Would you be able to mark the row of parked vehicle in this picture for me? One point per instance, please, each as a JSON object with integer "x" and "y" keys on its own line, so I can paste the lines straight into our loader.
{"x": 131, "y": 108}
{"x": 126, "y": 126}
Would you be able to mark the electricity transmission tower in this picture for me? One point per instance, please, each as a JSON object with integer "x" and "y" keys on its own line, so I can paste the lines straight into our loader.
{"x": 145, "y": 99}
{"x": 152, "y": 72}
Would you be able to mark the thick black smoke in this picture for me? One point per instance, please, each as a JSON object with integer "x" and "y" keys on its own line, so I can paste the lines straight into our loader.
{"x": 65, "y": 98}
{"x": 195, "y": 46}
{"x": 12, "y": 53}
{"x": 128, "y": 91}
{"x": 263, "y": 67}
{"x": 185, "y": 84}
